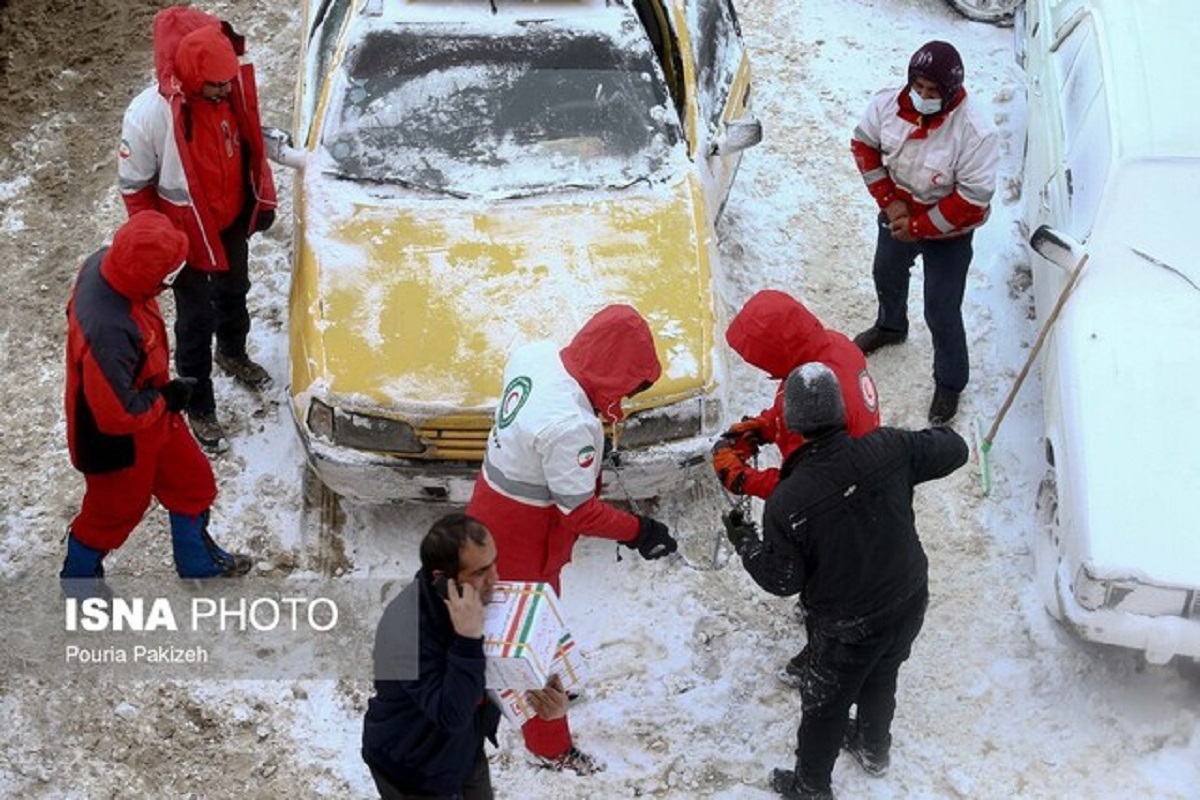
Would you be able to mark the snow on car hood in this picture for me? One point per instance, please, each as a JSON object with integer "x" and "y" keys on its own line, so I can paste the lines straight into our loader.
{"x": 415, "y": 302}
{"x": 1128, "y": 357}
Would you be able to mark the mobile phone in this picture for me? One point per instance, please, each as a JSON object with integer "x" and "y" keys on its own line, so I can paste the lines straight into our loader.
{"x": 442, "y": 587}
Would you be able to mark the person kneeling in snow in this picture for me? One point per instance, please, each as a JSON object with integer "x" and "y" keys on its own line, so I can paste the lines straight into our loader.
{"x": 124, "y": 429}
{"x": 840, "y": 530}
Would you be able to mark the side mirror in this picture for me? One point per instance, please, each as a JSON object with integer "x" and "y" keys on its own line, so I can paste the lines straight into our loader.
{"x": 278, "y": 144}
{"x": 1057, "y": 247}
{"x": 736, "y": 136}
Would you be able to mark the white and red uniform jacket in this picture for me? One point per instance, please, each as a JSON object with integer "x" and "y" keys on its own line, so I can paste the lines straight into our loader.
{"x": 154, "y": 172}
{"x": 538, "y": 490}
{"x": 943, "y": 165}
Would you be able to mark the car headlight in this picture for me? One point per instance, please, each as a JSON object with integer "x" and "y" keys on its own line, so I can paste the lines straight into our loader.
{"x": 670, "y": 423}
{"x": 363, "y": 431}
{"x": 1129, "y": 597}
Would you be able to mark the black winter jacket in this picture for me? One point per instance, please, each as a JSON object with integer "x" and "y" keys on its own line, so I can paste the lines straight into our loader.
{"x": 840, "y": 528}
{"x": 424, "y": 734}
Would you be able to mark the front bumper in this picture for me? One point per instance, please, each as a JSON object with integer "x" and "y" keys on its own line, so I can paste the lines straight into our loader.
{"x": 1159, "y": 637}
{"x": 375, "y": 478}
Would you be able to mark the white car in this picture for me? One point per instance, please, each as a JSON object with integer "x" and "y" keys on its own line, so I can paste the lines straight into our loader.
{"x": 1112, "y": 157}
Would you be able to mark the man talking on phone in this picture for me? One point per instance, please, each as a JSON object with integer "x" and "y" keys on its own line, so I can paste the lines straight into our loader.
{"x": 424, "y": 737}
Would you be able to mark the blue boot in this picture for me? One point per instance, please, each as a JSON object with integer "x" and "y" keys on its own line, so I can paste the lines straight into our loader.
{"x": 82, "y": 574}
{"x": 197, "y": 555}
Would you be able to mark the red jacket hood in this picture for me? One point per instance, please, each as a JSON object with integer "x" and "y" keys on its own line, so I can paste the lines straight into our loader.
{"x": 170, "y": 26}
{"x": 612, "y": 357}
{"x": 145, "y": 250}
{"x": 776, "y": 333}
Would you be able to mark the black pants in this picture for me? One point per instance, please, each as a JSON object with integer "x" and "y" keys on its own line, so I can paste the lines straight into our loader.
{"x": 208, "y": 303}
{"x": 945, "y": 262}
{"x": 848, "y": 667}
{"x": 477, "y": 787}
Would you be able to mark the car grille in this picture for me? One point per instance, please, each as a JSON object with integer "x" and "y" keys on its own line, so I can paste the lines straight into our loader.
{"x": 457, "y": 439}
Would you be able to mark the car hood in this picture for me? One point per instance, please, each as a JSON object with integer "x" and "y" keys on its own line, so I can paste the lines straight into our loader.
{"x": 413, "y": 303}
{"x": 1127, "y": 353}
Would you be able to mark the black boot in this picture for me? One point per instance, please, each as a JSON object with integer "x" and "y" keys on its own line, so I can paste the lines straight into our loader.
{"x": 873, "y": 758}
{"x": 874, "y": 338}
{"x": 944, "y": 406}
{"x": 791, "y": 787}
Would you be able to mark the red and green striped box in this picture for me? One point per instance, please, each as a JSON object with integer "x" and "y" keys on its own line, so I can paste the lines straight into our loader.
{"x": 526, "y": 641}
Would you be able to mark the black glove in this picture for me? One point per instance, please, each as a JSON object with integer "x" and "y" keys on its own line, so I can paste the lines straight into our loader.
{"x": 178, "y": 392}
{"x": 654, "y": 539}
{"x": 740, "y": 531}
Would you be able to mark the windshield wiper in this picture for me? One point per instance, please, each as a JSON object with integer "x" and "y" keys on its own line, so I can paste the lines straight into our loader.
{"x": 403, "y": 183}
{"x": 579, "y": 187}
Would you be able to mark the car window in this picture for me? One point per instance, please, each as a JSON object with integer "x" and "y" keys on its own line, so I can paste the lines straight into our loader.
{"x": 513, "y": 110}
{"x": 717, "y": 48}
{"x": 325, "y": 25}
{"x": 1086, "y": 129}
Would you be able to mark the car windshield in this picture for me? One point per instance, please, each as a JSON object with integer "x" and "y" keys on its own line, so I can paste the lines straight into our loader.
{"x": 532, "y": 108}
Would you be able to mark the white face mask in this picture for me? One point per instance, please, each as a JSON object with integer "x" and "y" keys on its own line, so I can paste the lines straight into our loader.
{"x": 924, "y": 106}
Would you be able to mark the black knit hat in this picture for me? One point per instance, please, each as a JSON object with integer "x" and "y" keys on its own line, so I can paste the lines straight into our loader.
{"x": 812, "y": 400}
{"x": 940, "y": 63}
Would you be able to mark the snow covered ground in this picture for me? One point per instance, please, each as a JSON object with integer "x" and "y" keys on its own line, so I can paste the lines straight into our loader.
{"x": 682, "y": 701}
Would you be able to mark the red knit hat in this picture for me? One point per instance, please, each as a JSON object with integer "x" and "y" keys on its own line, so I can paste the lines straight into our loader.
{"x": 940, "y": 63}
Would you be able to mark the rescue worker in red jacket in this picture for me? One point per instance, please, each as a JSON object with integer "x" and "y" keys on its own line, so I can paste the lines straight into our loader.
{"x": 124, "y": 429}
{"x": 192, "y": 148}
{"x": 539, "y": 488}
{"x": 776, "y": 333}
{"x": 928, "y": 156}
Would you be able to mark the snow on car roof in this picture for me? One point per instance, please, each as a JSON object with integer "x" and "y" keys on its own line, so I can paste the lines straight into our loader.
{"x": 1153, "y": 89}
{"x": 616, "y": 20}
{"x": 482, "y": 10}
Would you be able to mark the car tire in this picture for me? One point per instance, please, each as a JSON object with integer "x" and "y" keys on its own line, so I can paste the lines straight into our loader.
{"x": 1045, "y": 547}
{"x": 993, "y": 12}
{"x": 1188, "y": 669}
{"x": 321, "y": 522}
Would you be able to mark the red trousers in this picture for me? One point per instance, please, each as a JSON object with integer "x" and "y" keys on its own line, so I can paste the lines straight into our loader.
{"x": 523, "y": 553}
{"x": 545, "y": 737}
{"x": 168, "y": 464}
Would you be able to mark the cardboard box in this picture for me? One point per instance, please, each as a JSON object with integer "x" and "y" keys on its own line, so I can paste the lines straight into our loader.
{"x": 526, "y": 641}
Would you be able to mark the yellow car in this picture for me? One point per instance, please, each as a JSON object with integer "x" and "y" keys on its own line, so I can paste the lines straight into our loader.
{"x": 475, "y": 176}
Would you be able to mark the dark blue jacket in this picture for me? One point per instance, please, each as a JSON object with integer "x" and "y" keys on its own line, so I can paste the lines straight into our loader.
{"x": 424, "y": 734}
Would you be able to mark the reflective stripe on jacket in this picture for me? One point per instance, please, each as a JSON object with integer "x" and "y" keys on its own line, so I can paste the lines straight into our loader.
{"x": 944, "y": 166}
{"x": 155, "y": 172}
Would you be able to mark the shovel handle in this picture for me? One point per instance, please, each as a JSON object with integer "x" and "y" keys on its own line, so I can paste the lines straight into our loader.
{"x": 1033, "y": 352}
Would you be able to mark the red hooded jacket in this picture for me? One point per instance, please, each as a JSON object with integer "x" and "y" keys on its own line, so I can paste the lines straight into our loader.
{"x": 776, "y": 333}
{"x": 117, "y": 347}
{"x": 539, "y": 487}
{"x": 159, "y": 169}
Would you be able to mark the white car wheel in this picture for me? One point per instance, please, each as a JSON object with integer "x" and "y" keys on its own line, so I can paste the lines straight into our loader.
{"x": 996, "y": 12}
